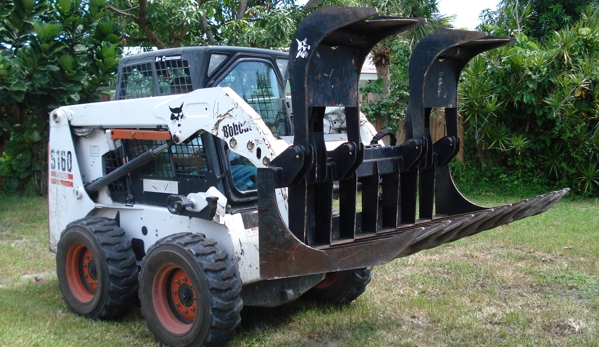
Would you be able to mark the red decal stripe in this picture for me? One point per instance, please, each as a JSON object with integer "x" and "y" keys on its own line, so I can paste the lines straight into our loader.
{"x": 66, "y": 183}
{"x": 62, "y": 175}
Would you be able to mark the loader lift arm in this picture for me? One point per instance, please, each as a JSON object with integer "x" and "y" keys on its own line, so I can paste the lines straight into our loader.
{"x": 326, "y": 55}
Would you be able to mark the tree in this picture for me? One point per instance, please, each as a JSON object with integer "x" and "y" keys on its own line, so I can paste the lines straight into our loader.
{"x": 174, "y": 23}
{"x": 408, "y": 8}
{"x": 52, "y": 53}
{"x": 391, "y": 58}
{"x": 535, "y": 18}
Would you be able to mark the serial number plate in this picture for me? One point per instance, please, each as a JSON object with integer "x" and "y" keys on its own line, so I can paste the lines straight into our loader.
{"x": 159, "y": 186}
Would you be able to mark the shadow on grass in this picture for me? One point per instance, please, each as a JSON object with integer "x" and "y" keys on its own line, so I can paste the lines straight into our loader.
{"x": 272, "y": 318}
{"x": 259, "y": 318}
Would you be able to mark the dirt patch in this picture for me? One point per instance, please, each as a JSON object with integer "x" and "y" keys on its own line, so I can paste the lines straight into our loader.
{"x": 414, "y": 322}
{"x": 13, "y": 242}
{"x": 39, "y": 277}
{"x": 565, "y": 327}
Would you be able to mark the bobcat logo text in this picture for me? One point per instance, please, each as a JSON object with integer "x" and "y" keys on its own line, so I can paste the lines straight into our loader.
{"x": 235, "y": 129}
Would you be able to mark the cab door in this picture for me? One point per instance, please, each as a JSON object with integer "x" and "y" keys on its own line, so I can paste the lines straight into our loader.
{"x": 260, "y": 84}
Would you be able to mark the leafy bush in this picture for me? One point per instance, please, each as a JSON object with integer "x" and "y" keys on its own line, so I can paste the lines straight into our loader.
{"x": 532, "y": 107}
{"x": 52, "y": 53}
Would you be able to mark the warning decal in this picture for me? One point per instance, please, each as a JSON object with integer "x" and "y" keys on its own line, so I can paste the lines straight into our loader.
{"x": 62, "y": 178}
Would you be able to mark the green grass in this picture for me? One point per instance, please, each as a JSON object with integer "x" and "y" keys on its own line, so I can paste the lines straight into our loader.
{"x": 530, "y": 283}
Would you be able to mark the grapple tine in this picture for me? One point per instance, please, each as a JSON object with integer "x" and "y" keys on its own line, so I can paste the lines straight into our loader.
{"x": 556, "y": 197}
{"x": 501, "y": 219}
{"x": 549, "y": 201}
{"x": 432, "y": 230}
{"x": 451, "y": 235}
{"x": 509, "y": 215}
{"x": 536, "y": 204}
{"x": 494, "y": 214}
{"x": 435, "y": 68}
{"x": 422, "y": 242}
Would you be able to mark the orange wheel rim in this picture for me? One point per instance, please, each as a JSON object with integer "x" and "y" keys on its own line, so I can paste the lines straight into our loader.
{"x": 328, "y": 280}
{"x": 81, "y": 273}
{"x": 174, "y": 298}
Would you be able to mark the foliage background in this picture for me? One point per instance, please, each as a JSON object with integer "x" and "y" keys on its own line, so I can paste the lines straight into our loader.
{"x": 52, "y": 53}
{"x": 531, "y": 109}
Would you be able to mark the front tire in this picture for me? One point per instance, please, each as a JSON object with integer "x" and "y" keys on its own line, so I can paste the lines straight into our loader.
{"x": 189, "y": 291}
{"x": 96, "y": 268}
{"x": 341, "y": 287}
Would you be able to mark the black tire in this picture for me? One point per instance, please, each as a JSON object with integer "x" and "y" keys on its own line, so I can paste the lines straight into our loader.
{"x": 96, "y": 268}
{"x": 341, "y": 287}
{"x": 189, "y": 291}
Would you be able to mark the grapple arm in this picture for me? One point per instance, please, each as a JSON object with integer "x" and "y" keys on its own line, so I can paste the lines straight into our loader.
{"x": 326, "y": 55}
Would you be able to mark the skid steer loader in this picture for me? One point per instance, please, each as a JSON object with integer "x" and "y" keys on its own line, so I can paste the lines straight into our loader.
{"x": 198, "y": 191}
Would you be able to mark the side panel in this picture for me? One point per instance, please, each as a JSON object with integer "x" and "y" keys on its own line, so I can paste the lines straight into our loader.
{"x": 151, "y": 223}
{"x": 246, "y": 250}
{"x": 67, "y": 200}
{"x": 90, "y": 149}
{"x": 218, "y": 111}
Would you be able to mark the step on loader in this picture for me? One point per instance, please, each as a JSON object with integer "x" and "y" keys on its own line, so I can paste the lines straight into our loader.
{"x": 199, "y": 193}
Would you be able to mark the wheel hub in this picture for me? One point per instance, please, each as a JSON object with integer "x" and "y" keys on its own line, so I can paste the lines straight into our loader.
{"x": 92, "y": 270}
{"x": 186, "y": 295}
{"x": 81, "y": 272}
{"x": 183, "y": 296}
{"x": 89, "y": 271}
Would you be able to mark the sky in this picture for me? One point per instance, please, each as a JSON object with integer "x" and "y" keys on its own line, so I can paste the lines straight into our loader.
{"x": 467, "y": 11}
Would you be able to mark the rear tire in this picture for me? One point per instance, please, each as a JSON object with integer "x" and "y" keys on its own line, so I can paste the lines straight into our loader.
{"x": 96, "y": 268}
{"x": 341, "y": 287}
{"x": 189, "y": 291}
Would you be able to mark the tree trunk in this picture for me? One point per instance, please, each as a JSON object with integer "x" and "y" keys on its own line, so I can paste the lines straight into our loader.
{"x": 141, "y": 21}
{"x": 207, "y": 30}
{"x": 312, "y": 4}
{"x": 381, "y": 59}
{"x": 243, "y": 6}
{"x": 180, "y": 36}
{"x": 382, "y": 71}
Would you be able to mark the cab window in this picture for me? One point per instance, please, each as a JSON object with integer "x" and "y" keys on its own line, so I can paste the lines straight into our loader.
{"x": 256, "y": 82}
{"x": 243, "y": 172}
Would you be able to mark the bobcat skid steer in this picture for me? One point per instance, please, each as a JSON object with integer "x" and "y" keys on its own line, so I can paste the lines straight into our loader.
{"x": 199, "y": 193}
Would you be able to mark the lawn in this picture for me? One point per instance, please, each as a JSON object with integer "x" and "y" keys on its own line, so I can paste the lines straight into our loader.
{"x": 531, "y": 283}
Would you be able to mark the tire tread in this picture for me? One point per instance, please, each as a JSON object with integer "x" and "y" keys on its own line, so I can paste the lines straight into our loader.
{"x": 222, "y": 276}
{"x": 348, "y": 287}
{"x": 121, "y": 261}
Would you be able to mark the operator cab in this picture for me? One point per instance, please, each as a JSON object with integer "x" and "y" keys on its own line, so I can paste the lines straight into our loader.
{"x": 256, "y": 75}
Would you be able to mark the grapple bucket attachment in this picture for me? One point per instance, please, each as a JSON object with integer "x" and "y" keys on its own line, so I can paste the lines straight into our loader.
{"x": 326, "y": 56}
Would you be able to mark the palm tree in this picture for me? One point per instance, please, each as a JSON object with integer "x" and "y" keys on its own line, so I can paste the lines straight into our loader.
{"x": 407, "y": 8}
